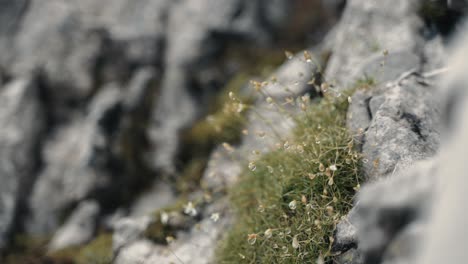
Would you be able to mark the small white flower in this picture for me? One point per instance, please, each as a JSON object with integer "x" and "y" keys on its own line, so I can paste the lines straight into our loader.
{"x": 268, "y": 233}
{"x": 333, "y": 167}
{"x": 240, "y": 108}
{"x": 190, "y": 209}
{"x": 164, "y": 218}
{"x": 215, "y": 217}
{"x": 252, "y": 166}
{"x": 320, "y": 260}
{"x": 292, "y": 205}
{"x": 295, "y": 242}
{"x": 170, "y": 239}
{"x": 270, "y": 169}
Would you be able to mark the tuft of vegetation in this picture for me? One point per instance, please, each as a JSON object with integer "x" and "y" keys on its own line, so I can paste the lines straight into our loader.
{"x": 289, "y": 201}
{"x": 98, "y": 251}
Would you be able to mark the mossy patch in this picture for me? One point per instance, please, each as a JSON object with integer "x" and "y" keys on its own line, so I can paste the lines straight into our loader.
{"x": 98, "y": 251}
{"x": 289, "y": 201}
{"x": 32, "y": 250}
{"x": 158, "y": 231}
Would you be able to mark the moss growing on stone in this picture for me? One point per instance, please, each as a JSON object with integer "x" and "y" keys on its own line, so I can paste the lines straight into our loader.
{"x": 289, "y": 201}
{"x": 171, "y": 219}
{"x": 98, "y": 251}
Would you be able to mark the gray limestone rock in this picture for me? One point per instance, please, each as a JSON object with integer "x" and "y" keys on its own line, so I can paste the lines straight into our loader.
{"x": 22, "y": 121}
{"x": 74, "y": 164}
{"x": 191, "y": 45}
{"x": 399, "y": 123}
{"x": 127, "y": 231}
{"x": 79, "y": 228}
{"x": 364, "y": 31}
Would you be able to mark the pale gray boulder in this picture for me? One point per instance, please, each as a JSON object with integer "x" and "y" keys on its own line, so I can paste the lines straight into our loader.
{"x": 74, "y": 164}
{"x": 416, "y": 214}
{"x": 79, "y": 227}
{"x": 397, "y": 124}
{"x": 96, "y": 155}
{"x": 22, "y": 122}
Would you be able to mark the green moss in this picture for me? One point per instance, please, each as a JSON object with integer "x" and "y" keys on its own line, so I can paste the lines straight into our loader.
{"x": 98, "y": 251}
{"x": 226, "y": 118}
{"x": 294, "y": 193}
{"x": 157, "y": 231}
{"x": 27, "y": 249}
{"x": 226, "y": 115}
{"x": 191, "y": 175}
{"x": 365, "y": 83}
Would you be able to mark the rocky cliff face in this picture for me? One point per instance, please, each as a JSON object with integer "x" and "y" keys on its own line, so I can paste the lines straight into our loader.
{"x": 96, "y": 97}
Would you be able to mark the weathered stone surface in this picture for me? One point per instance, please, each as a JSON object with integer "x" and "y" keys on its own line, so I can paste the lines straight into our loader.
{"x": 415, "y": 215}
{"x": 79, "y": 228}
{"x": 345, "y": 234}
{"x": 95, "y": 155}
{"x": 197, "y": 246}
{"x": 445, "y": 236}
{"x": 74, "y": 166}
{"x": 403, "y": 124}
{"x": 364, "y": 31}
{"x": 84, "y": 43}
{"x": 22, "y": 121}
{"x": 191, "y": 44}
{"x": 128, "y": 230}
{"x": 386, "y": 207}
{"x": 158, "y": 196}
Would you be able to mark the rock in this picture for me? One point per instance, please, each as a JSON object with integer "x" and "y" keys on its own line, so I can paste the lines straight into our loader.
{"x": 382, "y": 212}
{"x": 434, "y": 55}
{"x": 197, "y": 246}
{"x": 137, "y": 252}
{"x": 364, "y": 32}
{"x": 192, "y": 47}
{"x": 352, "y": 256}
{"x": 81, "y": 47}
{"x": 22, "y": 121}
{"x": 96, "y": 154}
{"x": 415, "y": 215}
{"x": 403, "y": 125}
{"x": 383, "y": 68}
{"x": 445, "y": 238}
{"x": 345, "y": 234}
{"x": 159, "y": 196}
{"x": 78, "y": 229}
{"x": 406, "y": 244}
{"x": 127, "y": 231}
{"x": 75, "y": 164}
{"x": 11, "y": 14}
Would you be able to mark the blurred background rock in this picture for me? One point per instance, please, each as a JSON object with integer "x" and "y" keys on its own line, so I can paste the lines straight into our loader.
{"x": 103, "y": 108}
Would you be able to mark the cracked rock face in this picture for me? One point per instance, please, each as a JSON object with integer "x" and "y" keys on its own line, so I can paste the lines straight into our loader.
{"x": 414, "y": 214}
{"x": 398, "y": 123}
